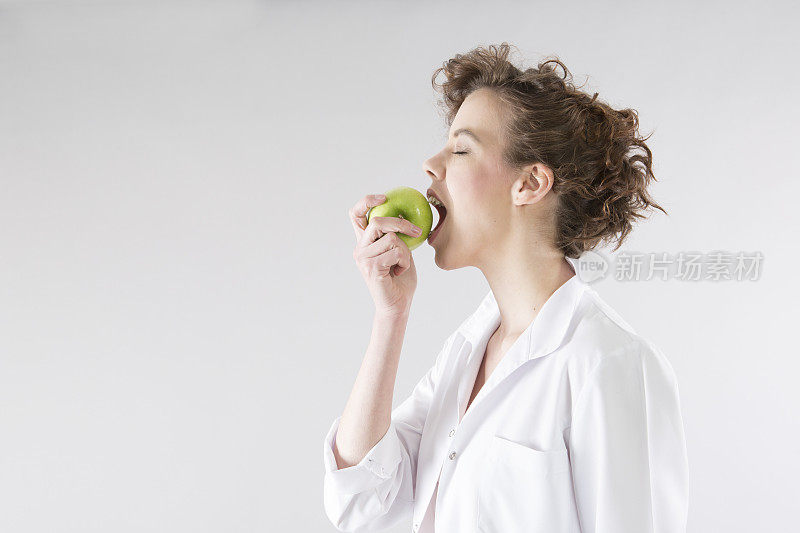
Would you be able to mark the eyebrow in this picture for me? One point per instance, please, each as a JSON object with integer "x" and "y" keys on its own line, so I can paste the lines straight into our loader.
{"x": 466, "y": 131}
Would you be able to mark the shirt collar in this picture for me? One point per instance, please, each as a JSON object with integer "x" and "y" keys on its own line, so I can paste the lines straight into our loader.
{"x": 548, "y": 329}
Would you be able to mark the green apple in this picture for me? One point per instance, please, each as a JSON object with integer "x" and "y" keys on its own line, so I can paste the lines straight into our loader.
{"x": 410, "y": 204}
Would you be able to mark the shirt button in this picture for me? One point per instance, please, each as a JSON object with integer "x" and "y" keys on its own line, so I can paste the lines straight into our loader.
{"x": 452, "y": 455}
{"x": 452, "y": 432}
{"x": 416, "y": 527}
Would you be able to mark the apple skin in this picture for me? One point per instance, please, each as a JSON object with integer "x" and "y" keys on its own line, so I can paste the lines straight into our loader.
{"x": 410, "y": 204}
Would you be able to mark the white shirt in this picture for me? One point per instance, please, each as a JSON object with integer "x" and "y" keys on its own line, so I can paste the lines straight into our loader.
{"x": 577, "y": 429}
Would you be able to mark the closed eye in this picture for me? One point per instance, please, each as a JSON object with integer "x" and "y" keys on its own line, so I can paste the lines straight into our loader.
{"x": 460, "y": 153}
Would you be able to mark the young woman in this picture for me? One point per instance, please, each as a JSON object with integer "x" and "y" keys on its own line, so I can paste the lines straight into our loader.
{"x": 544, "y": 411}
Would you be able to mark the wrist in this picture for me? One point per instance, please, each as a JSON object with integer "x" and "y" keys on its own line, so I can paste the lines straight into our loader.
{"x": 392, "y": 316}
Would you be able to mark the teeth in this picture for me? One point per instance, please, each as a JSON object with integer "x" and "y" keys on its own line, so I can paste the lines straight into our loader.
{"x": 434, "y": 201}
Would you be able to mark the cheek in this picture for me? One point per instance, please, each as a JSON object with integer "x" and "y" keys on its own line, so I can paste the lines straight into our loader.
{"x": 483, "y": 190}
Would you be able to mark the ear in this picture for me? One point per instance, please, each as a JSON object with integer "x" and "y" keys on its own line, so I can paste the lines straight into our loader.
{"x": 532, "y": 184}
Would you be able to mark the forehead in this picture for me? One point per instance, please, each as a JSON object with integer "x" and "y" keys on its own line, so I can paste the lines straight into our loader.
{"x": 483, "y": 113}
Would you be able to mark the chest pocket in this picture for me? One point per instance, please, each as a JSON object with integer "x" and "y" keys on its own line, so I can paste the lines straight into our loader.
{"x": 525, "y": 489}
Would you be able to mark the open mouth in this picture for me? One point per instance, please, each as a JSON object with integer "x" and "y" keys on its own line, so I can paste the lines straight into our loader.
{"x": 441, "y": 210}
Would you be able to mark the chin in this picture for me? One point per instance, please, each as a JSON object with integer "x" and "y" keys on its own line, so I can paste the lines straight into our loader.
{"x": 440, "y": 262}
{"x": 439, "y": 258}
{"x": 444, "y": 260}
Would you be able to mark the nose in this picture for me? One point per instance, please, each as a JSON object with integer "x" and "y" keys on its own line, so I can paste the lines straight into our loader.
{"x": 428, "y": 166}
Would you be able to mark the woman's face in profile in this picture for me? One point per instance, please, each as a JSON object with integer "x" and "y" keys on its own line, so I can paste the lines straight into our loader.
{"x": 473, "y": 182}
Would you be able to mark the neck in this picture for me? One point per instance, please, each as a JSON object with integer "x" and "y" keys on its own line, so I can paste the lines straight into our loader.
{"x": 522, "y": 278}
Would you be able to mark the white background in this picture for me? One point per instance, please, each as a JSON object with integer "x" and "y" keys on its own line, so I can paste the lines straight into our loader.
{"x": 181, "y": 319}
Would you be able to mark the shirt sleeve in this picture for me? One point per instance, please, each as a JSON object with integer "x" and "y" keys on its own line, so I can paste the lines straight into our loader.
{"x": 627, "y": 446}
{"x": 378, "y": 492}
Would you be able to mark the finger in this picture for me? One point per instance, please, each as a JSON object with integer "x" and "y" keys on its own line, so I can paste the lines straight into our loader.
{"x": 398, "y": 256}
{"x": 388, "y": 259}
{"x": 380, "y": 225}
{"x": 358, "y": 213}
{"x": 405, "y": 261}
{"x": 408, "y": 227}
{"x": 384, "y": 244}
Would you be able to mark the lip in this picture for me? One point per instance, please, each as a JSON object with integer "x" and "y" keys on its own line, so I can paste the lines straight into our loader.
{"x": 431, "y": 192}
{"x": 435, "y": 233}
{"x": 440, "y": 223}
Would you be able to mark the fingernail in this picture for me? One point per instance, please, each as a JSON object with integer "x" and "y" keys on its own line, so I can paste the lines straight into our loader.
{"x": 417, "y": 231}
{"x": 379, "y": 196}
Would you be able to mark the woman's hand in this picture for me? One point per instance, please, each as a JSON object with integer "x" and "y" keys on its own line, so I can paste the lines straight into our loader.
{"x": 383, "y": 258}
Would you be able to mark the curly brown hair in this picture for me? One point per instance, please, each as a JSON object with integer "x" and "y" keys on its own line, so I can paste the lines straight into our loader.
{"x": 601, "y": 166}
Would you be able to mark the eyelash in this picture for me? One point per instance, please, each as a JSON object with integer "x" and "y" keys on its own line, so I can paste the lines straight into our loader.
{"x": 460, "y": 153}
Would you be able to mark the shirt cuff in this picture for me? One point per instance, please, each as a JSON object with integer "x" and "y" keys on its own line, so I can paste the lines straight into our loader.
{"x": 380, "y": 463}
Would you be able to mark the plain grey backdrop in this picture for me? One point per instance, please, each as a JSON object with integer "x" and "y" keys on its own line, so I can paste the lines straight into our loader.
{"x": 181, "y": 319}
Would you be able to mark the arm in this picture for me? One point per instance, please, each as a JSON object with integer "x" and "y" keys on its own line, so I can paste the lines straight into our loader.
{"x": 367, "y": 414}
{"x": 627, "y": 446}
{"x": 370, "y": 452}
